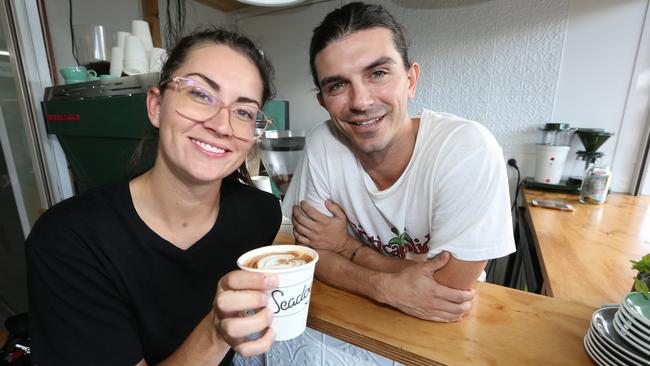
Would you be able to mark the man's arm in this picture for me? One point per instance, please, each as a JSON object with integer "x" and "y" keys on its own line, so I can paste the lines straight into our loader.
{"x": 346, "y": 263}
{"x": 457, "y": 274}
{"x": 314, "y": 229}
{"x": 412, "y": 290}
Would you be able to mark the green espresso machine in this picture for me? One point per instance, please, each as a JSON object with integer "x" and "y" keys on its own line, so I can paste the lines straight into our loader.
{"x": 99, "y": 125}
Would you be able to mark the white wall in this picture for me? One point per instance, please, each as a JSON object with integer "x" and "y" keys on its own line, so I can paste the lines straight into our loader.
{"x": 197, "y": 15}
{"x": 597, "y": 72}
{"x": 115, "y": 14}
{"x": 511, "y": 65}
{"x": 284, "y": 37}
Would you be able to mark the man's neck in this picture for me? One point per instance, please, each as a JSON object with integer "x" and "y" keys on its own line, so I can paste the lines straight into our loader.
{"x": 386, "y": 166}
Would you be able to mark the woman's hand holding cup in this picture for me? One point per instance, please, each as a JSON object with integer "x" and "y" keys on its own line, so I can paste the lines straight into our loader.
{"x": 239, "y": 292}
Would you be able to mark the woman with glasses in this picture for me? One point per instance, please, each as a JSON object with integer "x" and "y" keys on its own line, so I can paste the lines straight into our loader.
{"x": 143, "y": 271}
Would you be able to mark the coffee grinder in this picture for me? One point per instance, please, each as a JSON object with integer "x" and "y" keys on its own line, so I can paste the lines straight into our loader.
{"x": 592, "y": 139}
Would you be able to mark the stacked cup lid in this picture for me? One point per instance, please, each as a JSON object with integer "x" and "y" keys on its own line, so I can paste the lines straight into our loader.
{"x": 620, "y": 334}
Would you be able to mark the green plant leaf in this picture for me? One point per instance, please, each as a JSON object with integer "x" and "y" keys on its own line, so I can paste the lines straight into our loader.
{"x": 641, "y": 287}
{"x": 643, "y": 265}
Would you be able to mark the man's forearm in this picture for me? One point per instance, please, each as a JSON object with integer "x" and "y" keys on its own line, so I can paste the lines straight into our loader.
{"x": 370, "y": 259}
{"x": 338, "y": 271}
{"x": 461, "y": 275}
{"x": 367, "y": 257}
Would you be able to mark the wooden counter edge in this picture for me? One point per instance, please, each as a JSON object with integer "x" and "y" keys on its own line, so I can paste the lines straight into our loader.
{"x": 368, "y": 343}
{"x": 335, "y": 322}
{"x": 358, "y": 339}
{"x": 546, "y": 286}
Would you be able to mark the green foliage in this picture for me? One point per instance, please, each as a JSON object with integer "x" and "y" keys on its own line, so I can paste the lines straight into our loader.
{"x": 642, "y": 288}
{"x": 643, "y": 266}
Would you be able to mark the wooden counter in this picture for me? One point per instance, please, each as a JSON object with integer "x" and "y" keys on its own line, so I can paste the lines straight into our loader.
{"x": 505, "y": 327}
{"x": 585, "y": 255}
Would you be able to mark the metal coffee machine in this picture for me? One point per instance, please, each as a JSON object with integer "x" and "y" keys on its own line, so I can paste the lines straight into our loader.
{"x": 281, "y": 152}
{"x": 99, "y": 125}
{"x": 592, "y": 139}
{"x": 552, "y": 152}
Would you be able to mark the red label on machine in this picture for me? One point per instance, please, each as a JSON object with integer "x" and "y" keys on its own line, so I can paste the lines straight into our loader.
{"x": 64, "y": 117}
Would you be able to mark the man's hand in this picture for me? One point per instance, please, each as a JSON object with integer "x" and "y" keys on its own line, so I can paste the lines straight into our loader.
{"x": 237, "y": 293}
{"x": 414, "y": 291}
{"x": 313, "y": 229}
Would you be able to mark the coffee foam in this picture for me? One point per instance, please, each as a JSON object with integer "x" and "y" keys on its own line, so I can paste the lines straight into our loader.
{"x": 279, "y": 260}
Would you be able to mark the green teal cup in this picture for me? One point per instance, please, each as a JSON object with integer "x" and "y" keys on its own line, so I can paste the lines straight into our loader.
{"x": 77, "y": 74}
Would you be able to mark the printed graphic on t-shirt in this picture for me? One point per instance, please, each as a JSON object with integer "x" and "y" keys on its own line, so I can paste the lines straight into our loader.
{"x": 398, "y": 246}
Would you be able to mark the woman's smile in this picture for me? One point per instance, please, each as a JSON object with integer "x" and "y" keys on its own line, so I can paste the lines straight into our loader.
{"x": 210, "y": 149}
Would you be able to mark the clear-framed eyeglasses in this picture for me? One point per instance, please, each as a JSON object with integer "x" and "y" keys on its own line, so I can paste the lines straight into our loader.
{"x": 196, "y": 101}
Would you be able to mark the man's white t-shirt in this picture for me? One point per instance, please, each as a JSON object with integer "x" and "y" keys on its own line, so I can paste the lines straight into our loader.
{"x": 453, "y": 195}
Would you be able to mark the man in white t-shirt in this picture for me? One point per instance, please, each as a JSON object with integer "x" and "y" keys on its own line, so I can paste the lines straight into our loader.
{"x": 405, "y": 211}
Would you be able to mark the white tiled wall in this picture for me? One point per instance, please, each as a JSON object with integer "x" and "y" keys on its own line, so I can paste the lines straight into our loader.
{"x": 496, "y": 62}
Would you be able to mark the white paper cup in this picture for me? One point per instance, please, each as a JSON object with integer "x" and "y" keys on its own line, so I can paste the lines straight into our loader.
{"x": 262, "y": 183}
{"x": 157, "y": 58}
{"x": 289, "y": 302}
{"x": 117, "y": 62}
{"x": 121, "y": 38}
{"x": 140, "y": 29}
{"x": 135, "y": 58}
{"x": 550, "y": 163}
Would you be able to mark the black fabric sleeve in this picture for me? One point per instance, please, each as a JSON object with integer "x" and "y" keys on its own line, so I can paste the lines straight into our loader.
{"x": 77, "y": 315}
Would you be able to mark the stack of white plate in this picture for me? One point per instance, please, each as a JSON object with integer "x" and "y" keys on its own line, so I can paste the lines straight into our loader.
{"x": 620, "y": 335}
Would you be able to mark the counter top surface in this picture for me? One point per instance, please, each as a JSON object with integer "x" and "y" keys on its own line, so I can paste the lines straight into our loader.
{"x": 505, "y": 327}
{"x": 585, "y": 255}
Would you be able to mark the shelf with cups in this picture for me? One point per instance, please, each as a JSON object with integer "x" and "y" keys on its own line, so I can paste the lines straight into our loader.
{"x": 104, "y": 53}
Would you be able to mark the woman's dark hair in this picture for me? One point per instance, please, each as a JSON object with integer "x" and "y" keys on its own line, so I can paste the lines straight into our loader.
{"x": 178, "y": 56}
{"x": 219, "y": 36}
{"x": 351, "y": 18}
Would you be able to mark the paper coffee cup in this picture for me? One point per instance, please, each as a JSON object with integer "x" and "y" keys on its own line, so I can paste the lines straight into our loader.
{"x": 289, "y": 302}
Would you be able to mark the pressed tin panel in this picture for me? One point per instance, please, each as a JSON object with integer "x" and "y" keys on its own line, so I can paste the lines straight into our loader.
{"x": 496, "y": 62}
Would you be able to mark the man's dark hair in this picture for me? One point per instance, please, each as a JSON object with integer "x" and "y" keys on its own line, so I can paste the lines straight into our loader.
{"x": 351, "y": 18}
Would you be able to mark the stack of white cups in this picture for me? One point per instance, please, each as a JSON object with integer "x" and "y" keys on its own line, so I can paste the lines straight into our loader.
{"x": 135, "y": 53}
